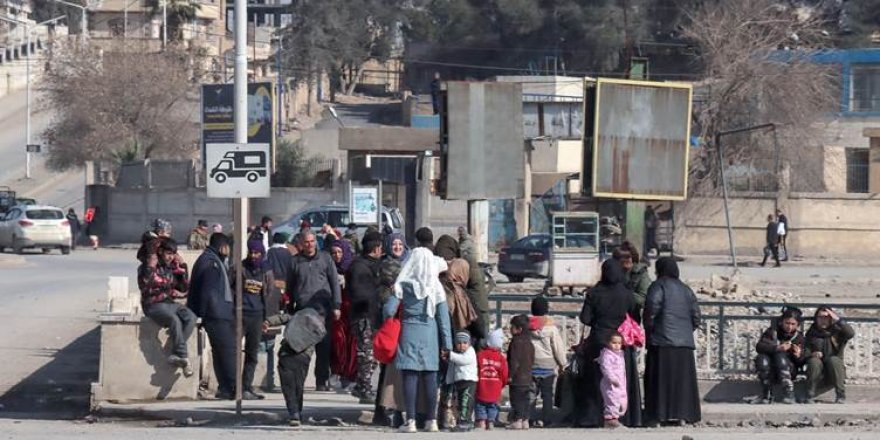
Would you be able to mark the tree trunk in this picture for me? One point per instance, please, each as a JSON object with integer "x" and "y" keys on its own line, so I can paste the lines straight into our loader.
{"x": 353, "y": 81}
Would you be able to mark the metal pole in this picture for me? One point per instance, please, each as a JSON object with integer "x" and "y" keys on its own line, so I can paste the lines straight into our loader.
{"x": 27, "y": 169}
{"x": 164, "y": 23}
{"x": 280, "y": 93}
{"x": 726, "y": 202}
{"x": 125, "y": 21}
{"x": 724, "y": 179}
{"x": 240, "y": 205}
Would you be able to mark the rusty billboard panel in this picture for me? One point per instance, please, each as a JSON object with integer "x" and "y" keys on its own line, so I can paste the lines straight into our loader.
{"x": 482, "y": 144}
{"x": 640, "y": 140}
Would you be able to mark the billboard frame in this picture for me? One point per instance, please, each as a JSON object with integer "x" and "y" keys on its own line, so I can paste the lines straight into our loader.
{"x": 595, "y": 134}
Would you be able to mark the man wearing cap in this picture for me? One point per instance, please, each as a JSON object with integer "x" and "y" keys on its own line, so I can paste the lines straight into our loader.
{"x": 198, "y": 238}
{"x": 160, "y": 229}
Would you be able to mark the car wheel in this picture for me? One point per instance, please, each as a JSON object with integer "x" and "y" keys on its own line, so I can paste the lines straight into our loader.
{"x": 220, "y": 178}
{"x": 46, "y": 250}
{"x": 514, "y": 279}
{"x": 252, "y": 177}
{"x": 65, "y": 250}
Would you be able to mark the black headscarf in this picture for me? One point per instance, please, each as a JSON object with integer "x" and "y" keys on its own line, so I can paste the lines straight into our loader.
{"x": 666, "y": 267}
{"x": 608, "y": 303}
{"x": 446, "y": 248}
{"x": 613, "y": 273}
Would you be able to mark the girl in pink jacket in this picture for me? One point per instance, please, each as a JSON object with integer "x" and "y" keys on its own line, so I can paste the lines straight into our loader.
{"x": 613, "y": 384}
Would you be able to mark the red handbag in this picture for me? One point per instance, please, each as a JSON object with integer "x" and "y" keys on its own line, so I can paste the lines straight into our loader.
{"x": 386, "y": 339}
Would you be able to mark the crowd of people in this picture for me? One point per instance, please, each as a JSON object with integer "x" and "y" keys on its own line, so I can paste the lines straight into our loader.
{"x": 419, "y": 318}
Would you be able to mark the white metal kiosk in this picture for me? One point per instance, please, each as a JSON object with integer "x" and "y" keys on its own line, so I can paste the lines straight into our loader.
{"x": 574, "y": 257}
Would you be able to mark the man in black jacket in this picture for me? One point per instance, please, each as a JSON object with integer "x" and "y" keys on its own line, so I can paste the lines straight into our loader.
{"x": 780, "y": 351}
{"x": 363, "y": 289}
{"x": 772, "y": 241}
{"x": 313, "y": 281}
{"x": 210, "y": 298}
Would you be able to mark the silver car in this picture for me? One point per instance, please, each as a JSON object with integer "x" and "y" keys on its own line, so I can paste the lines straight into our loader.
{"x": 337, "y": 216}
{"x": 35, "y": 227}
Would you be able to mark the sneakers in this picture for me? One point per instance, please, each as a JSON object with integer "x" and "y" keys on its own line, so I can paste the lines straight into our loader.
{"x": 322, "y": 388}
{"x": 840, "y": 400}
{"x": 431, "y": 426}
{"x": 294, "y": 420}
{"x": 224, "y": 395}
{"x": 516, "y": 425}
{"x": 463, "y": 427}
{"x": 250, "y": 395}
{"x": 612, "y": 423}
{"x": 177, "y": 361}
{"x": 410, "y": 426}
{"x": 187, "y": 370}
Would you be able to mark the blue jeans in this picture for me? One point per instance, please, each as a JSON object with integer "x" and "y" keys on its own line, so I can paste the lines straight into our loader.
{"x": 486, "y": 411}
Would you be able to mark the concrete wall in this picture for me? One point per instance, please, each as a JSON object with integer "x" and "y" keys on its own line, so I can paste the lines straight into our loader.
{"x": 130, "y": 210}
{"x": 134, "y": 364}
{"x": 821, "y": 224}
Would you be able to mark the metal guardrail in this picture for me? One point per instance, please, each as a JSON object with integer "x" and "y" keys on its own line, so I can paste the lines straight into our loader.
{"x": 728, "y": 334}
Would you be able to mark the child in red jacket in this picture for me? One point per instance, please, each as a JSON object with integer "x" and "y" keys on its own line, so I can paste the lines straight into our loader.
{"x": 492, "y": 370}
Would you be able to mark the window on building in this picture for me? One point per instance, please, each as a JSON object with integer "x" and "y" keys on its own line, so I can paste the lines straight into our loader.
{"x": 865, "y": 89}
{"x": 856, "y": 170}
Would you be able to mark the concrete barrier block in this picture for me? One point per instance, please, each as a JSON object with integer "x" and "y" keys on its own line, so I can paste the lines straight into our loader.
{"x": 134, "y": 366}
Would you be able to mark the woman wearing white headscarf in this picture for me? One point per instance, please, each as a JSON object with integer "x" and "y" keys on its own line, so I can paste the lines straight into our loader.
{"x": 425, "y": 331}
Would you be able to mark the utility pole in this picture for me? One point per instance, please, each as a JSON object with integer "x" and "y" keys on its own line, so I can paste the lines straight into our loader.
{"x": 164, "y": 24}
{"x": 240, "y": 205}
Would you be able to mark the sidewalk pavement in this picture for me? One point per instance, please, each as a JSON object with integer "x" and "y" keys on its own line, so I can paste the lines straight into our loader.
{"x": 342, "y": 412}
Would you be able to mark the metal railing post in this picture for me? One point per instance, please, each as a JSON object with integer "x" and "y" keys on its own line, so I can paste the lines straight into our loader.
{"x": 721, "y": 321}
{"x": 498, "y": 323}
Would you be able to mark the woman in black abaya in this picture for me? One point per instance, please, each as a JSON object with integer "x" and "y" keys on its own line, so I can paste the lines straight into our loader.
{"x": 605, "y": 308}
{"x": 671, "y": 315}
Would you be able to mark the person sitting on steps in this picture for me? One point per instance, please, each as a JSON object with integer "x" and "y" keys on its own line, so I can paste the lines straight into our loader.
{"x": 780, "y": 354}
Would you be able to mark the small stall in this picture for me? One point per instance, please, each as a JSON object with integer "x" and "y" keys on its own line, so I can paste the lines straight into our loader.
{"x": 574, "y": 257}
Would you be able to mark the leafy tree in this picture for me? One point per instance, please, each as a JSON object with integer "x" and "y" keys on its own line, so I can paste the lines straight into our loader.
{"x": 180, "y": 12}
{"x": 338, "y": 36}
{"x": 294, "y": 169}
{"x": 119, "y": 106}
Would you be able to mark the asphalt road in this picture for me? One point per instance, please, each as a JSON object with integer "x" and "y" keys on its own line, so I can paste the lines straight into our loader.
{"x": 48, "y": 328}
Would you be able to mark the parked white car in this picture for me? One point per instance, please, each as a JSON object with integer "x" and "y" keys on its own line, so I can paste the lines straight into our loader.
{"x": 35, "y": 227}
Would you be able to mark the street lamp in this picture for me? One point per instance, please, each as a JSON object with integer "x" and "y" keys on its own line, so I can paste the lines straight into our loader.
{"x": 84, "y": 18}
{"x": 27, "y": 29}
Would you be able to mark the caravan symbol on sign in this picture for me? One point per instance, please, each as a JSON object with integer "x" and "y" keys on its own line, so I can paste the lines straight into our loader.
{"x": 238, "y": 170}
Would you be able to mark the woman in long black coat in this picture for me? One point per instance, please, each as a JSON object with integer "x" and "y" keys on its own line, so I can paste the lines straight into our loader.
{"x": 671, "y": 315}
{"x": 605, "y": 308}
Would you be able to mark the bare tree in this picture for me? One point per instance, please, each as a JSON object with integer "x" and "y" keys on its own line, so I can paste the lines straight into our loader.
{"x": 120, "y": 105}
{"x": 756, "y": 60}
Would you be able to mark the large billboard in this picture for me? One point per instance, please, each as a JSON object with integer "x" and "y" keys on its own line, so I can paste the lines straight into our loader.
{"x": 218, "y": 123}
{"x": 640, "y": 138}
{"x": 482, "y": 149}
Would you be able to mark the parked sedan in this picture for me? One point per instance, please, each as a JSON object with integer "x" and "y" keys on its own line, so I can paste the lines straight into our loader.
{"x": 35, "y": 227}
{"x": 527, "y": 257}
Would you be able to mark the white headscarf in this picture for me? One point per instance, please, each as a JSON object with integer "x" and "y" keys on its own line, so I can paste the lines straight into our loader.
{"x": 422, "y": 272}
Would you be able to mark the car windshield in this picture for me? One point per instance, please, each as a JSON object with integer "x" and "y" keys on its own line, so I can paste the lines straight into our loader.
{"x": 44, "y": 214}
{"x": 533, "y": 242}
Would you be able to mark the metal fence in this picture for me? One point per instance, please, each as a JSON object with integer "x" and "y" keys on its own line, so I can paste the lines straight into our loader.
{"x": 729, "y": 331}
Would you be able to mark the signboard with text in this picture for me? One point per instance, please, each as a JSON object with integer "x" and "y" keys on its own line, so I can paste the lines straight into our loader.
{"x": 218, "y": 123}
{"x": 364, "y": 203}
